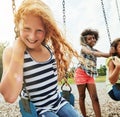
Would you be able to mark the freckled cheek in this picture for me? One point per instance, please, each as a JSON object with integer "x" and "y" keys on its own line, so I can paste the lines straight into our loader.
{"x": 23, "y": 34}
{"x": 41, "y": 36}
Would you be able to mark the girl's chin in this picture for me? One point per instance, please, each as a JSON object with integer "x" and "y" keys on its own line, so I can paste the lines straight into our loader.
{"x": 30, "y": 46}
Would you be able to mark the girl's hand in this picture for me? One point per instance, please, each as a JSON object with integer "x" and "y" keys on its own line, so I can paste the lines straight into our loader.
{"x": 116, "y": 61}
{"x": 19, "y": 45}
{"x": 18, "y": 50}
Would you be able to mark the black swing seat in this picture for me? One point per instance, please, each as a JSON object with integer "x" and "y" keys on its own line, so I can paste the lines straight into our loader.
{"x": 66, "y": 93}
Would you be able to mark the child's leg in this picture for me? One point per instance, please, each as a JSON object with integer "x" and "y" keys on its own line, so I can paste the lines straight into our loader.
{"x": 81, "y": 91}
{"x": 95, "y": 102}
{"x": 68, "y": 111}
{"x": 81, "y": 81}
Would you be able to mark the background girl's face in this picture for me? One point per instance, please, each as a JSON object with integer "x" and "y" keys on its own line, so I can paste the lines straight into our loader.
{"x": 32, "y": 31}
{"x": 112, "y": 50}
{"x": 91, "y": 40}
{"x": 118, "y": 49}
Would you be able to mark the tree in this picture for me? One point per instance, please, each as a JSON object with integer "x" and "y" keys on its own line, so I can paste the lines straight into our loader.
{"x": 102, "y": 70}
{"x": 2, "y": 46}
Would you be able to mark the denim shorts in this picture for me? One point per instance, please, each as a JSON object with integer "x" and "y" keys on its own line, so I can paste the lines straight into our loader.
{"x": 66, "y": 111}
{"x": 116, "y": 92}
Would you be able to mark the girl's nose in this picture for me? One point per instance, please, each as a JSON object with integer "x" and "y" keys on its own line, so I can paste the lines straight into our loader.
{"x": 32, "y": 36}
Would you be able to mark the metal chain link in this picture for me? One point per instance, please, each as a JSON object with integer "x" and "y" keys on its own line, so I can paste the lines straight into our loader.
{"x": 107, "y": 27}
{"x": 64, "y": 17}
{"x": 118, "y": 10}
{"x": 13, "y": 6}
{"x": 14, "y": 10}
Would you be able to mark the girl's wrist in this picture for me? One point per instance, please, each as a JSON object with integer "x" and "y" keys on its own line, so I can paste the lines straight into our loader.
{"x": 19, "y": 46}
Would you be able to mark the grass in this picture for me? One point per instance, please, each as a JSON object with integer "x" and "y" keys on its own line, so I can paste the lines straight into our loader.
{"x": 98, "y": 79}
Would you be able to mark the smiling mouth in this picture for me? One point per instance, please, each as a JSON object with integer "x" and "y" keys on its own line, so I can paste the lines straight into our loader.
{"x": 31, "y": 41}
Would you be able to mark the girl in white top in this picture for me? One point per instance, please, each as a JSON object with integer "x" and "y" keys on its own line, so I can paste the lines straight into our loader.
{"x": 113, "y": 71}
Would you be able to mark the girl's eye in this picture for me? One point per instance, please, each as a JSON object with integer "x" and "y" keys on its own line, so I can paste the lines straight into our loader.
{"x": 40, "y": 31}
{"x": 26, "y": 29}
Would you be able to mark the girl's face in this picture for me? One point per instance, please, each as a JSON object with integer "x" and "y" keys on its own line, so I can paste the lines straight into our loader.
{"x": 118, "y": 49}
{"x": 32, "y": 31}
{"x": 91, "y": 40}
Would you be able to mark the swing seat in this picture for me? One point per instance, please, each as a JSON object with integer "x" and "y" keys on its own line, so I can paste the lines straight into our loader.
{"x": 67, "y": 94}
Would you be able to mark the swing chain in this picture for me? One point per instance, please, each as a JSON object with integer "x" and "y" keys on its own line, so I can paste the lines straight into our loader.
{"x": 64, "y": 16}
{"x": 14, "y": 10}
{"x": 107, "y": 27}
{"x": 13, "y": 6}
{"x": 118, "y": 10}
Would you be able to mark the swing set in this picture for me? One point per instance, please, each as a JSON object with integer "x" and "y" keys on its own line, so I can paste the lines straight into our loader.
{"x": 67, "y": 93}
{"x": 64, "y": 17}
{"x": 105, "y": 18}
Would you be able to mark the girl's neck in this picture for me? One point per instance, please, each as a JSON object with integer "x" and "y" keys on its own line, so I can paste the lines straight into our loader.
{"x": 38, "y": 49}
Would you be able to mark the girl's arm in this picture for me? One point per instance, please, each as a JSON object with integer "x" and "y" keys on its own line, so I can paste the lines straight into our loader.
{"x": 101, "y": 54}
{"x": 113, "y": 70}
{"x": 95, "y": 53}
{"x": 12, "y": 77}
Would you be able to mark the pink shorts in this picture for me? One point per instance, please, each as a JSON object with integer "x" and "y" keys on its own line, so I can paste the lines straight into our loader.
{"x": 82, "y": 78}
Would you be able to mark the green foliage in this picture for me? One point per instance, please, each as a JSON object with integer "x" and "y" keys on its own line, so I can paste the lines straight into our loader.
{"x": 2, "y": 46}
{"x": 102, "y": 70}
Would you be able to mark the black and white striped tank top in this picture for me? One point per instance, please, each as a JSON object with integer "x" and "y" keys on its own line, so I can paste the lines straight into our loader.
{"x": 41, "y": 83}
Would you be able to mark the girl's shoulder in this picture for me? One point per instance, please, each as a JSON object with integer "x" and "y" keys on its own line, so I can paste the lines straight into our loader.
{"x": 7, "y": 51}
{"x": 7, "y": 54}
{"x": 109, "y": 59}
